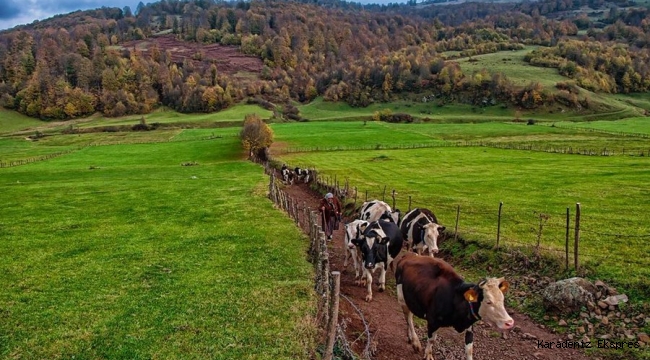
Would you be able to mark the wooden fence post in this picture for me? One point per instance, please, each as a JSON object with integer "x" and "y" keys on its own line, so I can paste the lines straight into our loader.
{"x": 383, "y": 196}
{"x": 566, "y": 246}
{"x": 355, "y": 197}
{"x": 366, "y": 194}
{"x": 393, "y": 199}
{"x": 409, "y": 210}
{"x": 457, "y": 218}
{"x": 499, "y": 225}
{"x": 329, "y": 352}
{"x": 577, "y": 238}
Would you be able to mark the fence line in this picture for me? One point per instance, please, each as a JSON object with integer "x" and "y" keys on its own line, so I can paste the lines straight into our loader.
{"x": 327, "y": 283}
{"x": 539, "y": 222}
{"x": 12, "y": 163}
{"x": 497, "y": 145}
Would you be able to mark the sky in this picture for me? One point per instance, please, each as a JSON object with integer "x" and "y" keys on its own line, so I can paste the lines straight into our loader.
{"x": 19, "y": 12}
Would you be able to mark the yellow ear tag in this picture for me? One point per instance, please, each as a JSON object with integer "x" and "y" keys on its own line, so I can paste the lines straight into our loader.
{"x": 504, "y": 286}
{"x": 471, "y": 295}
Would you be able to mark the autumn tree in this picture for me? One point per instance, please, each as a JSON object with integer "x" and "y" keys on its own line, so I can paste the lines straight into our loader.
{"x": 256, "y": 135}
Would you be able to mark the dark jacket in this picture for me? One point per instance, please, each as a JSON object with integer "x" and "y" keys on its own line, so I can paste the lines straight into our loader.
{"x": 332, "y": 209}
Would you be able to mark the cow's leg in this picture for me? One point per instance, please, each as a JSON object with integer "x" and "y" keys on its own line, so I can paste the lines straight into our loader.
{"x": 382, "y": 278}
{"x": 369, "y": 285}
{"x": 410, "y": 329}
{"x": 355, "y": 263}
{"x": 469, "y": 343}
{"x": 348, "y": 252}
{"x": 360, "y": 271}
{"x": 428, "y": 351}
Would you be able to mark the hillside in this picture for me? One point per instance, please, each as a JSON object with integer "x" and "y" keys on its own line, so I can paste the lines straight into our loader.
{"x": 198, "y": 56}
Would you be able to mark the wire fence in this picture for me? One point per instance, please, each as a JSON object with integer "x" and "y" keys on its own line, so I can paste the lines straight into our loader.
{"x": 608, "y": 132}
{"x": 529, "y": 146}
{"x": 559, "y": 233}
{"x": 34, "y": 159}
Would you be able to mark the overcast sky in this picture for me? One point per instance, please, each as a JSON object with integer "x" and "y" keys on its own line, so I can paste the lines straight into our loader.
{"x": 19, "y": 12}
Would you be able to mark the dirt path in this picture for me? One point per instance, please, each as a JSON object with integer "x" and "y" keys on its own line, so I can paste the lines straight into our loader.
{"x": 388, "y": 327}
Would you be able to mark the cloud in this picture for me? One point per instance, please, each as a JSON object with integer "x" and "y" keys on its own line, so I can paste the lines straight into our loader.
{"x": 8, "y": 9}
{"x": 20, "y": 12}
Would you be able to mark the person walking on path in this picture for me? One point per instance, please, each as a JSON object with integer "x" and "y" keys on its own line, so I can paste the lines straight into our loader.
{"x": 330, "y": 208}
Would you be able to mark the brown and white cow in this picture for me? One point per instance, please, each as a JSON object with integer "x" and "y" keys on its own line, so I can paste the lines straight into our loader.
{"x": 430, "y": 289}
{"x": 354, "y": 231}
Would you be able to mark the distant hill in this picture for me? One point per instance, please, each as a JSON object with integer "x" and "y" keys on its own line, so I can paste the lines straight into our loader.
{"x": 202, "y": 56}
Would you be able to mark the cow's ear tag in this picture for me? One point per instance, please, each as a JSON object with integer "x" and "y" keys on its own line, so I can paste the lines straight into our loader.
{"x": 471, "y": 295}
{"x": 504, "y": 286}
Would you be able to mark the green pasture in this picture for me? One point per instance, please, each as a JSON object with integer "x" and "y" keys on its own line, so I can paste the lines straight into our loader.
{"x": 326, "y": 110}
{"x": 521, "y": 73}
{"x": 640, "y": 100}
{"x": 639, "y": 125}
{"x": 611, "y": 189}
{"x": 512, "y": 64}
{"x": 166, "y": 116}
{"x": 142, "y": 258}
{"x": 13, "y": 121}
{"x": 355, "y": 135}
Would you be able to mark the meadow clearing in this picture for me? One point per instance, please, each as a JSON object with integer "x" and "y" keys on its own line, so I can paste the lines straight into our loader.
{"x": 118, "y": 251}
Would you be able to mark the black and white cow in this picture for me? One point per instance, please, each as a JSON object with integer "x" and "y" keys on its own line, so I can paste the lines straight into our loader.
{"x": 378, "y": 210}
{"x": 380, "y": 244}
{"x": 421, "y": 230}
{"x": 287, "y": 175}
{"x": 354, "y": 231}
{"x": 430, "y": 289}
{"x": 302, "y": 174}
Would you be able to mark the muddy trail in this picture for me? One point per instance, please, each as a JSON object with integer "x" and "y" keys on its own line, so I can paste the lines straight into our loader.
{"x": 387, "y": 326}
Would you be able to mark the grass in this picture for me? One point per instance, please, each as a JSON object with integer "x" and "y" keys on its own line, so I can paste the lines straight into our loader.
{"x": 11, "y": 121}
{"x": 512, "y": 64}
{"x": 354, "y": 135}
{"x": 639, "y": 125}
{"x": 610, "y": 189}
{"x": 144, "y": 258}
{"x": 27, "y": 126}
{"x": 166, "y": 116}
{"x": 319, "y": 110}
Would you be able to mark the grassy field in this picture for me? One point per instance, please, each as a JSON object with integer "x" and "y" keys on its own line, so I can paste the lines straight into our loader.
{"x": 610, "y": 189}
{"x": 639, "y": 125}
{"x": 354, "y": 135}
{"x": 165, "y": 116}
{"x": 512, "y": 64}
{"x": 142, "y": 258}
{"x": 324, "y": 110}
{"x": 12, "y": 121}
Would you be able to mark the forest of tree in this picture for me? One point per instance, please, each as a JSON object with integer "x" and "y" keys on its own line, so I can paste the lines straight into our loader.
{"x": 74, "y": 65}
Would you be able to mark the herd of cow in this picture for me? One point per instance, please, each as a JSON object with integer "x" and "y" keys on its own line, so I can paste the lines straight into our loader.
{"x": 427, "y": 287}
{"x": 289, "y": 176}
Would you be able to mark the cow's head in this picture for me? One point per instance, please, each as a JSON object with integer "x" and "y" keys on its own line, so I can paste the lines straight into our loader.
{"x": 391, "y": 216}
{"x": 373, "y": 246}
{"x": 488, "y": 295}
{"x": 354, "y": 231}
{"x": 429, "y": 236}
